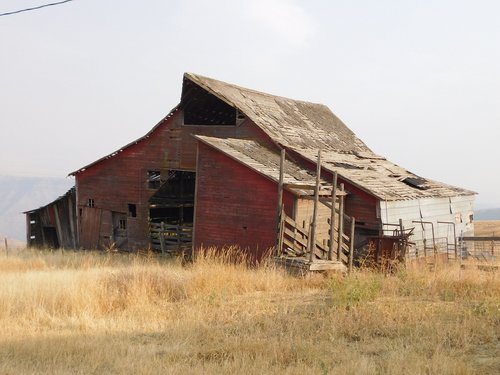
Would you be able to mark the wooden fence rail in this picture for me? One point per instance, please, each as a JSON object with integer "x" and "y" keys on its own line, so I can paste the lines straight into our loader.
{"x": 171, "y": 238}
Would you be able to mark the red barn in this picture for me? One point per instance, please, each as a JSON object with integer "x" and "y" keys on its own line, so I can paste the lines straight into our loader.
{"x": 208, "y": 174}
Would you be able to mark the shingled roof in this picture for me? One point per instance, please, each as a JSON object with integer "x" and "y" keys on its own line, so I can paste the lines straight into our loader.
{"x": 288, "y": 122}
{"x": 267, "y": 163}
{"x": 306, "y": 128}
{"x": 381, "y": 177}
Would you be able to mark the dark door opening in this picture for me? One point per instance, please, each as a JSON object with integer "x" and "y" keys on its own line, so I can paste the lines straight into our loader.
{"x": 50, "y": 236}
{"x": 171, "y": 212}
{"x": 120, "y": 236}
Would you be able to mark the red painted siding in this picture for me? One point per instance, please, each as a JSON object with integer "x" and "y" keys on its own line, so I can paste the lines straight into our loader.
{"x": 122, "y": 179}
{"x": 234, "y": 204}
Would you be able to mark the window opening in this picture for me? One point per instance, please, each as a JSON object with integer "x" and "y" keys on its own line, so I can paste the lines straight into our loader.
{"x": 91, "y": 203}
{"x": 122, "y": 224}
{"x": 203, "y": 108}
{"x": 154, "y": 179}
{"x": 132, "y": 210}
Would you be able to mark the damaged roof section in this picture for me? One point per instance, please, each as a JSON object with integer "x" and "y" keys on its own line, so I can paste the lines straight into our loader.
{"x": 267, "y": 163}
{"x": 380, "y": 177}
{"x": 288, "y": 122}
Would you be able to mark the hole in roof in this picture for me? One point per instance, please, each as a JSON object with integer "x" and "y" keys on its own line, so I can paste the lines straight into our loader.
{"x": 416, "y": 182}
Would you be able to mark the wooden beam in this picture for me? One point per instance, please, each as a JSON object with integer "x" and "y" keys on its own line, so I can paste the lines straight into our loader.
{"x": 341, "y": 223}
{"x": 332, "y": 217}
{"x": 71, "y": 221}
{"x": 315, "y": 207}
{"x": 478, "y": 239}
{"x": 58, "y": 226}
{"x": 351, "y": 247}
{"x": 299, "y": 186}
{"x": 280, "y": 210}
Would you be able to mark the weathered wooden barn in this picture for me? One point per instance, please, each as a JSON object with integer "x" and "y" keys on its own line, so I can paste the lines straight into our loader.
{"x": 208, "y": 174}
{"x": 53, "y": 225}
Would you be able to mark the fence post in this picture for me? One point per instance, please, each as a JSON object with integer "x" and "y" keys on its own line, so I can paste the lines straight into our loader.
{"x": 6, "y": 247}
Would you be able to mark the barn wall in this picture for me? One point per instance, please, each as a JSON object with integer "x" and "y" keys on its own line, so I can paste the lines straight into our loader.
{"x": 304, "y": 213}
{"x": 123, "y": 178}
{"x": 53, "y": 225}
{"x": 458, "y": 210}
{"x": 358, "y": 203}
{"x": 235, "y": 205}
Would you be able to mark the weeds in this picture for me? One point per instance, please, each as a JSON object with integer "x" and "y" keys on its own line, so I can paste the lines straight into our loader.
{"x": 70, "y": 312}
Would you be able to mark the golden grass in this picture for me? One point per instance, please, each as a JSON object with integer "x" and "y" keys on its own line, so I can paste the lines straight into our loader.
{"x": 487, "y": 228}
{"x": 67, "y": 312}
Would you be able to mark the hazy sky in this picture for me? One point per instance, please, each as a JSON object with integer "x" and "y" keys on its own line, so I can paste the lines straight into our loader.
{"x": 417, "y": 81}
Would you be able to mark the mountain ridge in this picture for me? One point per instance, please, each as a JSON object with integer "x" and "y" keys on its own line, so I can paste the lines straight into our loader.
{"x": 21, "y": 194}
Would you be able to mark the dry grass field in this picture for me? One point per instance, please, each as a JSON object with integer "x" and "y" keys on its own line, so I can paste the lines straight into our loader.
{"x": 92, "y": 313}
{"x": 487, "y": 228}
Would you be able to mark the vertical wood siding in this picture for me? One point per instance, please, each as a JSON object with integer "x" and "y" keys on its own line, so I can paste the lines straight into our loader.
{"x": 122, "y": 179}
{"x": 235, "y": 205}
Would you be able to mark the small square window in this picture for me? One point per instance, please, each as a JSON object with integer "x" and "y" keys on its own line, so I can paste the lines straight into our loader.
{"x": 132, "y": 210}
{"x": 154, "y": 179}
{"x": 90, "y": 203}
{"x": 122, "y": 224}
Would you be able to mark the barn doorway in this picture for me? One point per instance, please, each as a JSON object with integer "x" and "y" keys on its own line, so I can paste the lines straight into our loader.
{"x": 50, "y": 237}
{"x": 171, "y": 212}
{"x": 120, "y": 236}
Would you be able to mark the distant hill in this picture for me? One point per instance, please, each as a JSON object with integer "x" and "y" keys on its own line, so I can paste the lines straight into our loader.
{"x": 487, "y": 214}
{"x": 20, "y": 194}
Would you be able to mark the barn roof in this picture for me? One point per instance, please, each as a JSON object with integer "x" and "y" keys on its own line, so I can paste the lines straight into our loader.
{"x": 288, "y": 122}
{"x": 267, "y": 163}
{"x": 305, "y": 128}
{"x": 381, "y": 177}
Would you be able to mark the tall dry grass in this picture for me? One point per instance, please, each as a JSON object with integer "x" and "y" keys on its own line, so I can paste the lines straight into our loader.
{"x": 67, "y": 312}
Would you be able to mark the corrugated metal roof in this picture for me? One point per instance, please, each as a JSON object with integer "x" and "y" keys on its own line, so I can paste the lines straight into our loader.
{"x": 380, "y": 177}
{"x": 267, "y": 163}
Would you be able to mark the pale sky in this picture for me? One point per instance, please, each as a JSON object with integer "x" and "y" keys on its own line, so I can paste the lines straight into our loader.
{"x": 417, "y": 81}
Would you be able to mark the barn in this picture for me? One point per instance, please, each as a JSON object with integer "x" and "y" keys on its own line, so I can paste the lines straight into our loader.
{"x": 231, "y": 166}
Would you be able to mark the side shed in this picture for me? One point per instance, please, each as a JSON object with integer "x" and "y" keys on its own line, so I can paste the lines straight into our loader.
{"x": 53, "y": 225}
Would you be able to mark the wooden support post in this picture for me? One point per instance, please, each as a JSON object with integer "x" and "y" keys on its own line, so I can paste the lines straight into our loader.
{"x": 402, "y": 248}
{"x": 6, "y": 247}
{"x": 280, "y": 209}
{"x": 332, "y": 217}
{"x": 341, "y": 224}
{"x": 58, "y": 227}
{"x": 28, "y": 230}
{"x": 71, "y": 222}
{"x": 315, "y": 207}
{"x": 162, "y": 239}
{"x": 351, "y": 247}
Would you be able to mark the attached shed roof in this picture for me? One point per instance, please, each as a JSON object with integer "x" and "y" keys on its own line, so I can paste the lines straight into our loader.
{"x": 380, "y": 177}
{"x": 267, "y": 163}
{"x": 288, "y": 122}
